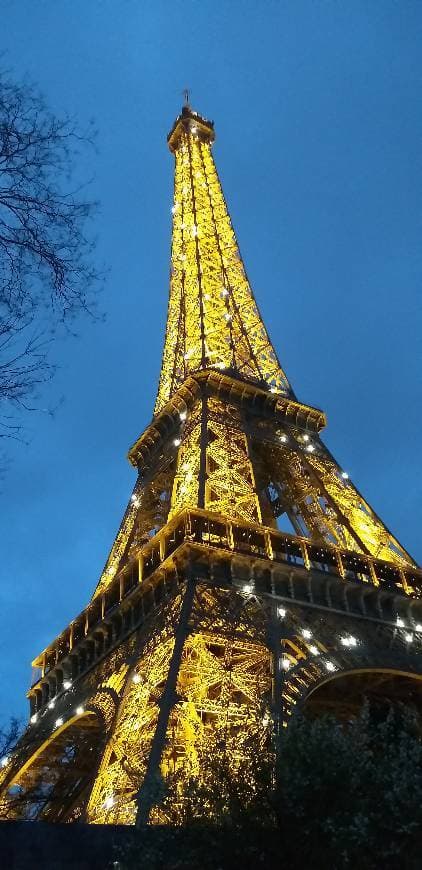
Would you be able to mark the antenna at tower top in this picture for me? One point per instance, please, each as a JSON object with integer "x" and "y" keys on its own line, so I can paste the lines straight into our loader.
{"x": 186, "y": 96}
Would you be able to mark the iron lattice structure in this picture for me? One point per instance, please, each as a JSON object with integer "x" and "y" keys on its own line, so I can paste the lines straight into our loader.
{"x": 208, "y": 621}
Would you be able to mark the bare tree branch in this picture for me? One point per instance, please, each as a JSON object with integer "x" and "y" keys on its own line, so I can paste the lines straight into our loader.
{"x": 48, "y": 275}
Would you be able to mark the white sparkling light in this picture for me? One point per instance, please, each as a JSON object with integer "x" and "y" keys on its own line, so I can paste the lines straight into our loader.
{"x": 305, "y": 437}
{"x": 330, "y": 666}
{"x": 348, "y": 641}
{"x": 408, "y": 637}
{"x": 310, "y": 448}
{"x": 399, "y": 622}
{"x": 50, "y": 705}
{"x": 59, "y": 722}
{"x": 33, "y": 719}
{"x": 418, "y": 627}
{"x": 224, "y": 292}
{"x": 273, "y": 389}
{"x": 67, "y": 684}
{"x": 79, "y": 711}
{"x": 109, "y": 803}
{"x": 345, "y": 475}
{"x": 281, "y": 612}
{"x": 283, "y": 438}
{"x": 176, "y": 442}
{"x": 183, "y": 415}
{"x": 136, "y": 679}
{"x": 5, "y": 761}
{"x": 285, "y": 663}
{"x": 314, "y": 650}
{"x": 306, "y": 633}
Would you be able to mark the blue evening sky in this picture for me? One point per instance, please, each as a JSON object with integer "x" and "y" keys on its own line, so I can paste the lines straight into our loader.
{"x": 317, "y": 107}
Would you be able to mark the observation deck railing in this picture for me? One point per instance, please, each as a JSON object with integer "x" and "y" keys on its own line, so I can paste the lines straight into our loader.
{"x": 135, "y": 583}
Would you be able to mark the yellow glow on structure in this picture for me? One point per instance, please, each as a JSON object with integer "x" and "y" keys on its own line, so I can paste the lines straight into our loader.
{"x": 173, "y": 654}
{"x": 212, "y": 316}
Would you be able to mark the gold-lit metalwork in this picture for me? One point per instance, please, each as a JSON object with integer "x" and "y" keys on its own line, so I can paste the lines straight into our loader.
{"x": 213, "y": 319}
{"x": 214, "y": 440}
{"x": 209, "y": 620}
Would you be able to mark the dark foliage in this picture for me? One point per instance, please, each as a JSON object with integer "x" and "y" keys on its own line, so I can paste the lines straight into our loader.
{"x": 340, "y": 797}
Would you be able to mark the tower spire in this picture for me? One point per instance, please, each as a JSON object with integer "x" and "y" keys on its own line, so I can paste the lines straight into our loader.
{"x": 213, "y": 321}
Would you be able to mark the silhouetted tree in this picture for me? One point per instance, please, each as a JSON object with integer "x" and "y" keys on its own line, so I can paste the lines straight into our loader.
{"x": 47, "y": 273}
{"x": 9, "y": 736}
{"x": 341, "y": 796}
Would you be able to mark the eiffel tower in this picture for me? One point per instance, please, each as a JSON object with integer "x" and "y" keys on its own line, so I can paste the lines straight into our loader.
{"x": 209, "y": 618}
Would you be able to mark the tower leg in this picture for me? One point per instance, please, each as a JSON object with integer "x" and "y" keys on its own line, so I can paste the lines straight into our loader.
{"x": 146, "y": 794}
{"x": 274, "y": 640}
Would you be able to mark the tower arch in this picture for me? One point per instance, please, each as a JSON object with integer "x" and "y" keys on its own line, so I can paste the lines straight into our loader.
{"x": 344, "y": 693}
{"x": 53, "y": 782}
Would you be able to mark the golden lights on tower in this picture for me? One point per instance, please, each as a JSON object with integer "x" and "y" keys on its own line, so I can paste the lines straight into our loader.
{"x": 197, "y": 633}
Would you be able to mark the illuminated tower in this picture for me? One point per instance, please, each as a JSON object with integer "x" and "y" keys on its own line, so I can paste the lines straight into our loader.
{"x": 209, "y": 620}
